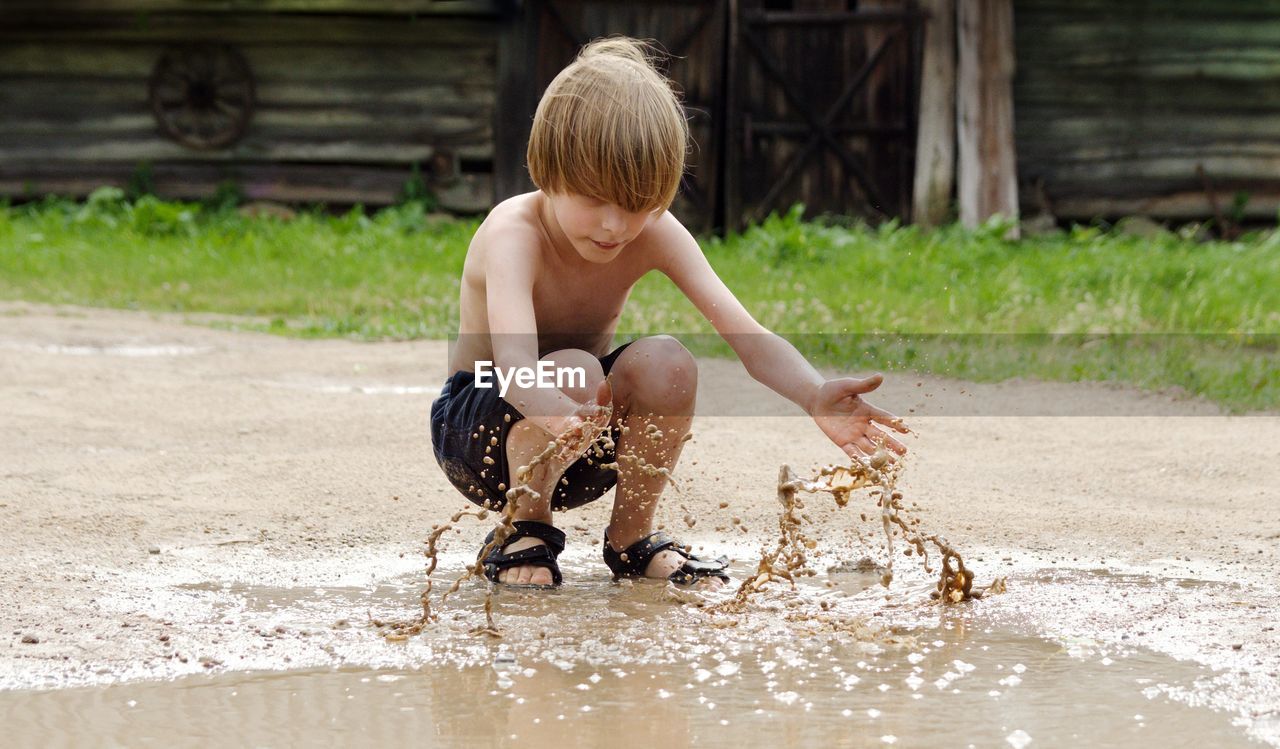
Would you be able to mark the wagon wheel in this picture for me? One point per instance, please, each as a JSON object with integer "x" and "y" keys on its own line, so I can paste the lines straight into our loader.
{"x": 202, "y": 96}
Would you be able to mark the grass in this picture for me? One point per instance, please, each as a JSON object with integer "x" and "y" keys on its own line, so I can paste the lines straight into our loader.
{"x": 1084, "y": 304}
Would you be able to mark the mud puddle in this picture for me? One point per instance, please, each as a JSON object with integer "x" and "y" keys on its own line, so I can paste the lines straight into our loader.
{"x": 964, "y": 688}
{"x": 834, "y": 662}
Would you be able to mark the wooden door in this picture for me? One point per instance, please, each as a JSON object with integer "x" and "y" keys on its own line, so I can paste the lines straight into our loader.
{"x": 821, "y": 108}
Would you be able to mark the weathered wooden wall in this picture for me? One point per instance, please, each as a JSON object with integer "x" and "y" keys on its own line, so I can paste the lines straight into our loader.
{"x": 1157, "y": 107}
{"x": 351, "y": 93}
{"x": 346, "y": 104}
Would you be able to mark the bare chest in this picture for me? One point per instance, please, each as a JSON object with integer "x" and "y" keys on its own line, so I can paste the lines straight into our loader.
{"x": 583, "y": 306}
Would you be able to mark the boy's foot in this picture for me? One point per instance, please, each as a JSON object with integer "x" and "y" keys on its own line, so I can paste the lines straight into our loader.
{"x": 660, "y": 567}
{"x": 662, "y": 557}
{"x": 528, "y": 557}
{"x": 527, "y": 574}
{"x": 665, "y": 563}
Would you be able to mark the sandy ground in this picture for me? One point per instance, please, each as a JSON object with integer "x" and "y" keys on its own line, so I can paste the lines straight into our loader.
{"x": 140, "y": 451}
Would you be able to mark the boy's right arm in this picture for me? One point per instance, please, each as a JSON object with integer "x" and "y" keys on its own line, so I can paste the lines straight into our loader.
{"x": 510, "y": 268}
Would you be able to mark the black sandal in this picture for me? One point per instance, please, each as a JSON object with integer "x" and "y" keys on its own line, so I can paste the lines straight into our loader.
{"x": 632, "y": 561}
{"x": 537, "y": 556}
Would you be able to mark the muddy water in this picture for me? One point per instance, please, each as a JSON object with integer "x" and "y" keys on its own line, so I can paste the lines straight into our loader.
{"x": 637, "y": 664}
{"x": 958, "y": 694}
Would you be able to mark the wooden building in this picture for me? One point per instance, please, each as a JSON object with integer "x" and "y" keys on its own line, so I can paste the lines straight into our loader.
{"x": 1168, "y": 109}
{"x": 876, "y": 108}
{"x": 337, "y": 100}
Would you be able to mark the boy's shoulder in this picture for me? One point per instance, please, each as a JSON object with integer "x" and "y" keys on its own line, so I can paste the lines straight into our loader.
{"x": 514, "y": 218}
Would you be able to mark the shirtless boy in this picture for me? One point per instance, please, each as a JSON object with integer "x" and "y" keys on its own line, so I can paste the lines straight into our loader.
{"x": 546, "y": 277}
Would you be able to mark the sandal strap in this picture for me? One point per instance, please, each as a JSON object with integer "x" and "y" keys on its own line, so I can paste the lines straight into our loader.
{"x": 544, "y": 555}
{"x": 695, "y": 569}
{"x": 634, "y": 560}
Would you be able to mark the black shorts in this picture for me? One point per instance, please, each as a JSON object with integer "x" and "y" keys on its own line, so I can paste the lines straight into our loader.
{"x": 463, "y": 410}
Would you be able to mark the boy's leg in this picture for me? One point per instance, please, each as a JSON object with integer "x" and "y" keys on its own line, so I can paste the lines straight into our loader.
{"x": 655, "y": 386}
{"x": 524, "y": 442}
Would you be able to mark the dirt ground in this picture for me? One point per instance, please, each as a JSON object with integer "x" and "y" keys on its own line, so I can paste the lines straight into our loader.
{"x": 140, "y": 452}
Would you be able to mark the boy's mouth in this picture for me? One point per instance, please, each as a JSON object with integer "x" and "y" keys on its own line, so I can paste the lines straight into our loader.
{"x": 606, "y": 245}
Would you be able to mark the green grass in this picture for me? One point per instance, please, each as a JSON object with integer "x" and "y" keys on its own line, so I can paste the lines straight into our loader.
{"x": 1201, "y": 316}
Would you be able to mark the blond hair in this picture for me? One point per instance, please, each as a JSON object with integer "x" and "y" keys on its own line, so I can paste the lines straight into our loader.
{"x": 610, "y": 127}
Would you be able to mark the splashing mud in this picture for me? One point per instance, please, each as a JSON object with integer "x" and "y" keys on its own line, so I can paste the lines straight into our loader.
{"x": 785, "y": 562}
{"x": 569, "y": 443}
{"x": 789, "y": 558}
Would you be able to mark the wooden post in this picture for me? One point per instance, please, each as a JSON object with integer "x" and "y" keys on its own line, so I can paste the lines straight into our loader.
{"x": 988, "y": 182}
{"x": 936, "y": 138}
{"x": 733, "y": 150}
{"x": 517, "y": 100}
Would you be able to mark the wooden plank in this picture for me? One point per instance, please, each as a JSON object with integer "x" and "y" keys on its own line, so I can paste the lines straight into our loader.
{"x": 155, "y": 148}
{"x": 984, "y": 98}
{"x": 248, "y": 28}
{"x": 290, "y": 183}
{"x": 874, "y": 16}
{"x": 1184, "y": 206}
{"x": 1253, "y": 163}
{"x": 57, "y": 93}
{"x": 137, "y": 117}
{"x": 1191, "y": 9}
{"x": 421, "y": 122}
{"x": 371, "y": 7}
{"x": 935, "y": 143}
{"x": 309, "y": 62}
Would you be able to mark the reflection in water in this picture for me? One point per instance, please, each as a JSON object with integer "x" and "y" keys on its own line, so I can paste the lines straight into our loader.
{"x": 601, "y": 664}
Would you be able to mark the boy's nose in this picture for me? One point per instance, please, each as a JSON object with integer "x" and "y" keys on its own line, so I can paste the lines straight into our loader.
{"x": 612, "y": 221}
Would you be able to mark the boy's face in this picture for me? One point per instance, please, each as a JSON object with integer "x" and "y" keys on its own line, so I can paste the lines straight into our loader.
{"x": 598, "y": 230}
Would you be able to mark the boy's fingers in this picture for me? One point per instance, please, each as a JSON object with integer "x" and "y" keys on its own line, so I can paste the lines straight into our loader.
{"x": 878, "y": 434}
{"x": 856, "y": 386}
{"x": 884, "y": 417}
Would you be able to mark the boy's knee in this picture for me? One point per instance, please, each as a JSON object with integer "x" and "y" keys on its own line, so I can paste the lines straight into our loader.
{"x": 668, "y": 372}
{"x": 580, "y": 388}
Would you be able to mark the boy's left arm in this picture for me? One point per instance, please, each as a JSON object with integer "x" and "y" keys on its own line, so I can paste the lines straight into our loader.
{"x": 836, "y": 405}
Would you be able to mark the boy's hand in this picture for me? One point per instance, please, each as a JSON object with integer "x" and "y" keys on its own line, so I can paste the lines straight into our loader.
{"x": 585, "y": 425}
{"x": 850, "y": 422}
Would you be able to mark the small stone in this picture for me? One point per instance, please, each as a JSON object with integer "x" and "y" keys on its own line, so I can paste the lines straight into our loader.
{"x": 1237, "y": 645}
{"x": 153, "y": 550}
{"x": 30, "y": 639}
